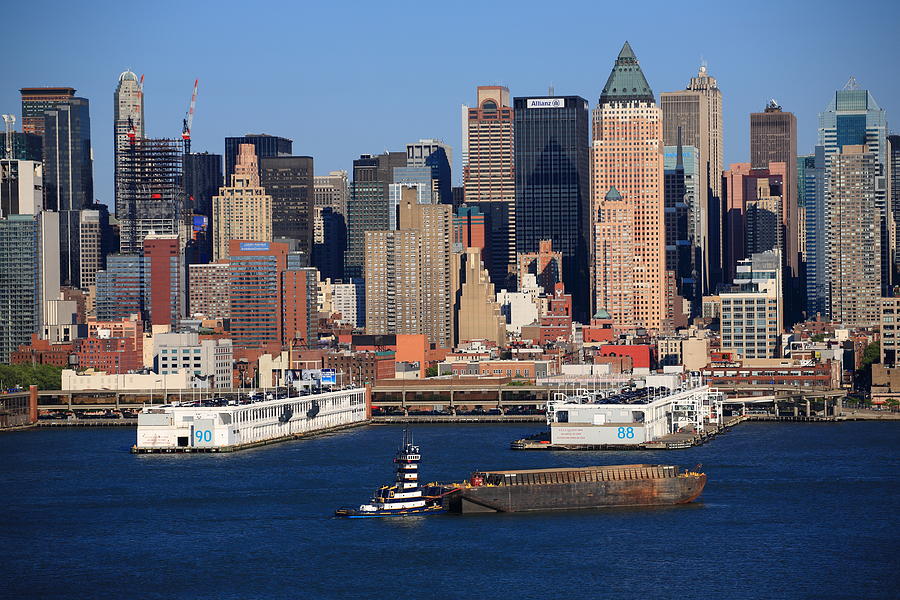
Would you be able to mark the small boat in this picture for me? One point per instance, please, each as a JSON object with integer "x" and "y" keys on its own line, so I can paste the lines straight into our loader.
{"x": 402, "y": 499}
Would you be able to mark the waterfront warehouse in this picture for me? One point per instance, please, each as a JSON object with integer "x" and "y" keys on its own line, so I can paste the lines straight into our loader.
{"x": 221, "y": 427}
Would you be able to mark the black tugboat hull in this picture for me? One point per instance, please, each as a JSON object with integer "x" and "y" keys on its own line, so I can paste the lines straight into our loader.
{"x": 350, "y": 513}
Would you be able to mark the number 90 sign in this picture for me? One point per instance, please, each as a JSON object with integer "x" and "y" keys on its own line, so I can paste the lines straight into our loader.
{"x": 203, "y": 435}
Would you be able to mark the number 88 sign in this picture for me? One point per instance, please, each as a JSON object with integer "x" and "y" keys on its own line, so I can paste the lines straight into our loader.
{"x": 624, "y": 433}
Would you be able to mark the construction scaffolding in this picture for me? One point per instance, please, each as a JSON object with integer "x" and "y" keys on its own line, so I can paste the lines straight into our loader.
{"x": 152, "y": 192}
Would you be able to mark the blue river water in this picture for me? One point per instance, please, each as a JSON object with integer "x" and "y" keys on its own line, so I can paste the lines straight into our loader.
{"x": 790, "y": 511}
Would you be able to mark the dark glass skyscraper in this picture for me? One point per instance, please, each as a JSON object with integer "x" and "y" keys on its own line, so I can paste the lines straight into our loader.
{"x": 264, "y": 144}
{"x": 369, "y": 205}
{"x": 68, "y": 178}
{"x": 202, "y": 180}
{"x": 552, "y": 158}
{"x": 289, "y": 180}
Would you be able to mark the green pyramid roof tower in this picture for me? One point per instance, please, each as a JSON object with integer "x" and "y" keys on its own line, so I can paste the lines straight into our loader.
{"x": 626, "y": 83}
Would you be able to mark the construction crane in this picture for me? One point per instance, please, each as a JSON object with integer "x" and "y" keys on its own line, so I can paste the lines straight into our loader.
{"x": 189, "y": 120}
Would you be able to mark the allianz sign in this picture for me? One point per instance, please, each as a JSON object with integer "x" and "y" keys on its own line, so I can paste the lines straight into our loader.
{"x": 546, "y": 102}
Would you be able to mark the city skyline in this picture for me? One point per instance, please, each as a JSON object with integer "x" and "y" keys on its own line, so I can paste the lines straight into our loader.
{"x": 322, "y": 108}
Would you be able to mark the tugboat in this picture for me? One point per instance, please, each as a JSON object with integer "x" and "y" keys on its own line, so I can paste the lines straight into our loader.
{"x": 405, "y": 497}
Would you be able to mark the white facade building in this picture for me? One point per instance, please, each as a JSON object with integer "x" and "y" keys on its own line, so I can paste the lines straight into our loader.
{"x": 177, "y": 352}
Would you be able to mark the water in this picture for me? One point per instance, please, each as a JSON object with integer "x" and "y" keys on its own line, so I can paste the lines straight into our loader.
{"x": 790, "y": 511}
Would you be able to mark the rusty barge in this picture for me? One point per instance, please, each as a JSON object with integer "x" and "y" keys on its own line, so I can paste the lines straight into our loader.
{"x": 573, "y": 488}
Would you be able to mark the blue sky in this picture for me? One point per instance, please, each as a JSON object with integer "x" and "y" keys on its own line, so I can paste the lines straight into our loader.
{"x": 342, "y": 79}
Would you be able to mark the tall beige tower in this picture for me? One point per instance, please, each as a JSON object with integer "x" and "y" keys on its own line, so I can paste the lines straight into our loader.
{"x": 697, "y": 112}
{"x": 478, "y": 315}
{"x": 128, "y": 126}
{"x": 408, "y": 277}
{"x": 853, "y": 236}
{"x": 243, "y": 210}
{"x": 489, "y": 170}
{"x": 627, "y": 179}
{"x": 433, "y": 224}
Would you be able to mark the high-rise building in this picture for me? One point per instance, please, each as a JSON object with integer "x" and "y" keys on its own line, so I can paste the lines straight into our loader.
{"x": 332, "y": 190}
{"x": 90, "y": 253}
{"x": 414, "y": 182}
{"x": 468, "y": 228}
{"x": 853, "y": 236}
{"x": 349, "y": 299}
{"x": 329, "y": 242}
{"x": 854, "y": 118}
{"x": 21, "y": 187}
{"x": 488, "y": 160}
{"x": 202, "y": 174}
{"x": 408, "y": 275}
{"x": 369, "y": 206}
{"x": 209, "y": 287}
{"x": 255, "y": 306}
{"x": 29, "y": 276}
{"x": 242, "y": 210}
{"x": 393, "y": 282}
{"x": 300, "y": 319}
{"x": 773, "y": 139}
{"x": 37, "y": 101}
{"x": 264, "y": 146}
{"x": 754, "y": 201}
{"x": 122, "y": 288}
{"x": 165, "y": 279}
{"x": 627, "y": 192}
{"x": 128, "y": 125}
{"x": 751, "y": 313}
{"x": 437, "y": 156}
{"x": 813, "y": 199}
{"x": 289, "y": 181}
{"x": 684, "y": 254}
{"x": 68, "y": 177}
{"x": 150, "y": 195}
{"x": 23, "y": 146}
{"x": 893, "y": 184}
{"x": 697, "y": 113}
{"x": 552, "y": 171}
{"x": 478, "y": 314}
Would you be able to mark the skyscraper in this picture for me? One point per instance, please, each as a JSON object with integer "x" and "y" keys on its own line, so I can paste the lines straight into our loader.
{"x": 754, "y": 201}
{"x": 255, "y": 284}
{"x": 20, "y": 289}
{"x": 893, "y": 183}
{"x": 488, "y": 160}
{"x": 332, "y": 190}
{"x": 773, "y": 139}
{"x": 37, "y": 101}
{"x": 202, "y": 173}
{"x": 242, "y": 210}
{"x": 21, "y": 187}
{"x": 814, "y": 214}
{"x": 329, "y": 242}
{"x": 408, "y": 276}
{"x": 369, "y": 205}
{"x": 165, "y": 279}
{"x": 854, "y": 118}
{"x": 627, "y": 194}
{"x": 684, "y": 256}
{"x": 264, "y": 146}
{"x": 697, "y": 112}
{"x": 128, "y": 125}
{"x": 151, "y": 194}
{"x": 68, "y": 177}
{"x": 289, "y": 181}
{"x": 552, "y": 170}
{"x": 854, "y": 236}
{"x": 436, "y": 155}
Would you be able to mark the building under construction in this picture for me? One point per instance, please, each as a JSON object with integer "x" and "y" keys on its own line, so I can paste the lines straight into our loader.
{"x": 152, "y": 192}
